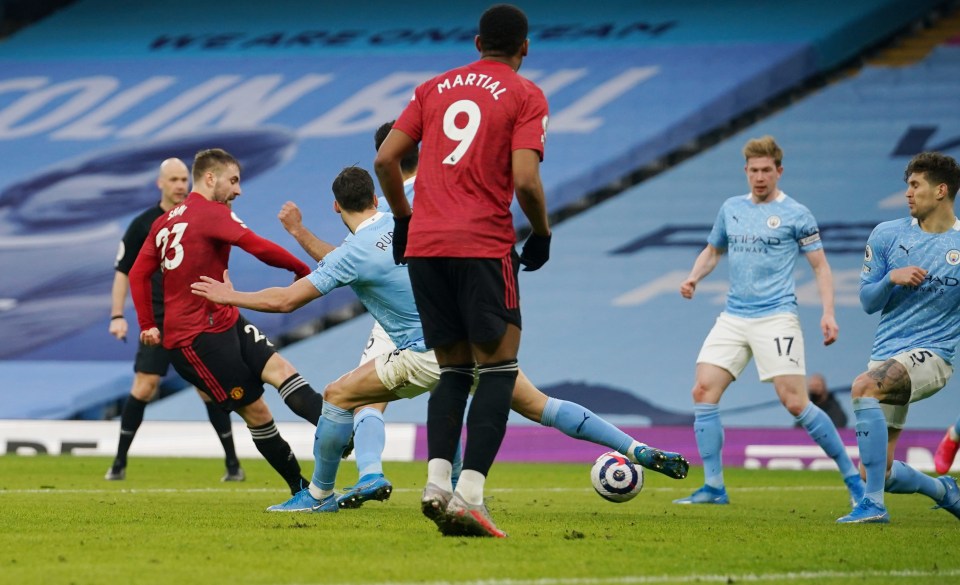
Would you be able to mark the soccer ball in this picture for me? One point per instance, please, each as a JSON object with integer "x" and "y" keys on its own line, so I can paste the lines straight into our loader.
{"x": 615, "y": 478}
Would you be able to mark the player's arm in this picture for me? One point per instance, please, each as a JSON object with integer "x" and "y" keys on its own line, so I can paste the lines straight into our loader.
{"x": 823, "y": 274}
{"x": 141, "y": 289}
{"x": 269, "y": 300}
{"x": 118, "y": 295}
{"x": 387, "y": 167}
{"x": 292, "y": 221}
{"x": 271, "y": 254}
{"x": 533, "y": 203}
{"x": 706, "y": 261}
{"x": 529, "y": 189}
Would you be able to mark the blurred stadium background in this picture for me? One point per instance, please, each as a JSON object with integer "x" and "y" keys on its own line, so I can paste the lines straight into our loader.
{"x": 650, "y": 105}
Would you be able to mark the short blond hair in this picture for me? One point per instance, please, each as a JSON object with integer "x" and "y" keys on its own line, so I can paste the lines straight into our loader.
{"x": 763, "y": 146}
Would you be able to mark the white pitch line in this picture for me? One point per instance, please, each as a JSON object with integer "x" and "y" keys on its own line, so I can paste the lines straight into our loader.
{"x": 694, "y": 578}
{"x": 57, "y": 491}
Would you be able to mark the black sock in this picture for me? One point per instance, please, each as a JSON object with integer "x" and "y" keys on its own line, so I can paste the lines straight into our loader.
{"x": 220, "y": 419}
{"x": 130, "y": 418}
{"x": 445, "y": 411}
{"x": 487, "y": 419}
{"x": 301, "y": 398}
{"x": 278, "y": 454}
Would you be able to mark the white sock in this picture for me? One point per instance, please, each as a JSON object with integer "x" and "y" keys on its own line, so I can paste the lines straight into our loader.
{"x": 470, "y": 486}
{"x": 630, "y": 452}
{"x": 439, "y": 472}
{"x": 318, "y": 493}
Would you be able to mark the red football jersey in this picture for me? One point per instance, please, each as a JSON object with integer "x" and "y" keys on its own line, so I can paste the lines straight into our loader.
{"x": 189, "y": 241}
{"x": 469, "y": 121}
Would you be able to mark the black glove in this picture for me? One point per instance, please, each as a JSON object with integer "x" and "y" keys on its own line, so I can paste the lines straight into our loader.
{"x": 400, "y": 227}
{"x": 536, "y": 252}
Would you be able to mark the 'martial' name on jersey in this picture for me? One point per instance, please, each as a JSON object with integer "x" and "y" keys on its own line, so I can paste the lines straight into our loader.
{"x": 476, "y": 79}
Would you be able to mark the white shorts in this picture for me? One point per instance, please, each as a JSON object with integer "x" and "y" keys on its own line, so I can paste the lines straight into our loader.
{"x": 408, "y": 373}
{"x": 776, "y": 342}
{"x": 378, "y": 344}
{"x": 928, "y": 374}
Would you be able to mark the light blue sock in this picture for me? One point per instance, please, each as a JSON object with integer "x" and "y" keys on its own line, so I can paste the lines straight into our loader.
{"x": 907, "y": 480}
{"x": 872, "y": 440}
{"x": 369, "y": 437}
{"x": 709, "y": 435}
{"x": 822, "y": 430}
{"x": 333, "y": 432}
{"x": 956, "y": 427}
{"x": 578, "y": 422}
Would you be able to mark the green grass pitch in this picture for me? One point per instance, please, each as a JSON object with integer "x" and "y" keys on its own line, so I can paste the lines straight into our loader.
{"x": 172, "y": 521}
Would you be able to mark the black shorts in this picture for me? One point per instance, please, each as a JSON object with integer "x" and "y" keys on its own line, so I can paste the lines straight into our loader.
{"x": 152, "y": 359}
{"x": 470, "y": 299}
{"x": 226, "y": 366}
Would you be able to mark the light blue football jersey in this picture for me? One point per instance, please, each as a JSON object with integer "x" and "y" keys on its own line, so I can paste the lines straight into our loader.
{"x": 364, "y": 262}
{"x": 762, "y": 243}
{"x": 382, "y": 204}
{"x": 926, "y": 316}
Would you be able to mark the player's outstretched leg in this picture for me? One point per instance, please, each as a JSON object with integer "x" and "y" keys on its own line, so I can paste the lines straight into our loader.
{"x": 904, "y": 479}
{"x": 578, "y": 422}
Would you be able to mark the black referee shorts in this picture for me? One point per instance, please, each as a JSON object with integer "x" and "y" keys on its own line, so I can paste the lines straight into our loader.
{"x": 152, "y": 359}
{"x": 469, "y": 299}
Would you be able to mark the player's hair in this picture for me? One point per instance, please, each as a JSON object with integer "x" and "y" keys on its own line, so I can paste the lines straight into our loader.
{"x": 410, "y": 161}
{"x": 503, "y": 28}
{"x": 763, "y": 146}
{"x": 353, "y": 189}
{"x": 937, "y": 168}
{"x": 211, "y": 159}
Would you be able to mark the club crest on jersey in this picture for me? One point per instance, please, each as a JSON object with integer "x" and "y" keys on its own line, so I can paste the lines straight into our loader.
{"x": 236, "y": 393}
{"x": 868, "y": 254}
{"x": 953, "y": 257}
{"x": 773, "y": 222}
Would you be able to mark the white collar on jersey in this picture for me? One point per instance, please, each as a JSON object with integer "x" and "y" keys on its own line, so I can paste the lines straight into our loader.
{"x": 955, "y": 227}
{"x": 369, "y": 221}
{"x": 780, "y": 196}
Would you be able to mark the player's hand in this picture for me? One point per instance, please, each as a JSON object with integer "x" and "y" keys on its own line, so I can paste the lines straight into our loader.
{"x": 118, "y": 328}
{"x": 401, "y": 225}
{"x": 213, "y": 290}
{"x": 830, "y": 329}
{"x": 687, "y": 288}
{"x": 290, "y": 217}
{"x": 908, "y": 276}
{"x": 536, "y": 252}
{"x": 150, "y": 336}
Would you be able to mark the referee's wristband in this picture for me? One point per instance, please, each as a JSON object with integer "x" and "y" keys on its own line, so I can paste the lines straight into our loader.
{"x": 115, "y": 317}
